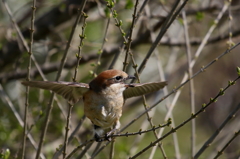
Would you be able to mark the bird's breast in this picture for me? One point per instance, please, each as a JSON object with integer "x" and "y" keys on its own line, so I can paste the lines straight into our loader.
{"x": 103, "y": 109}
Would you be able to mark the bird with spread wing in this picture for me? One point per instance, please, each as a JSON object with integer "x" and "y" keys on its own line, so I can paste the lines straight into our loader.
{"x": 103, "y": 97}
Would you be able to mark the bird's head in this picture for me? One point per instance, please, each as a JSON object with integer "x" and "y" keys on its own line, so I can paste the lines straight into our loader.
{"x": 109, "y": 77}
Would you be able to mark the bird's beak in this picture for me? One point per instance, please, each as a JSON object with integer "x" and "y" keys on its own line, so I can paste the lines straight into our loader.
{"x": 131, "y": 77}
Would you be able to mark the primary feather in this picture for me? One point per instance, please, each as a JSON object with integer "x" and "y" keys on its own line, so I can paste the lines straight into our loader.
{"x": 138, "y": 89}
{"x": 72, "y": 91}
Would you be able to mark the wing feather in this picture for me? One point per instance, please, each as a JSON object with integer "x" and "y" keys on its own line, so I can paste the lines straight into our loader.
{"x": 72, "y": 91}
{"x": 138, "y": 89}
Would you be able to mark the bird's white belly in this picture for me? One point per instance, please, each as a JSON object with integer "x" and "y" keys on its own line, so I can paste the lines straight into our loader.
{"x": 104, "y": 118}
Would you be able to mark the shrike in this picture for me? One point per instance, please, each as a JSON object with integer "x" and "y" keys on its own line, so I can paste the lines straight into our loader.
{"x": 103, "y": 97}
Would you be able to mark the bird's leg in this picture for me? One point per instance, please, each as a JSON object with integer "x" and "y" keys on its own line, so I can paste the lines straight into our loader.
{"x": 116, "y": 126}
{"x": 108, "y": 134}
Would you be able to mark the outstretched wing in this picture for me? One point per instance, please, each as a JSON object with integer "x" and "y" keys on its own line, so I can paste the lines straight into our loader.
{"x": 138, "y": 89}
{"x": 72, "y": 91}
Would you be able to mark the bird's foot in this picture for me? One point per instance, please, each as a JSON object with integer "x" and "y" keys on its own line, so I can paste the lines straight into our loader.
{"x": 98, "y": 138}
{"x": 108, "y": 134}
{"x": 107, "y": 137}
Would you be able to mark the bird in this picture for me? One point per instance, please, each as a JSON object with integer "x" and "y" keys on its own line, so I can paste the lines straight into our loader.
{"x": 103, "y": 97}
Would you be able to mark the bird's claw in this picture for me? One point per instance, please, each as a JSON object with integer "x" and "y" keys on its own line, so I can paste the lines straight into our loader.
{"x": 107, "y": 136}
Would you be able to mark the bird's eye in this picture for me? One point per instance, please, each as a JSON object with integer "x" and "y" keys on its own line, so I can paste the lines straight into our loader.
{"x": 118, "y": 78}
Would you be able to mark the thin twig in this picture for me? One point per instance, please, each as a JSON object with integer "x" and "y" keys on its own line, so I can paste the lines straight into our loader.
{"x": 100, "y": 51}
{"x": 191, "y": 83}
{"x": 79, "y": 57}
{"x": 79, "y": 54}
{"x": 28, "y": 79}
{"x": 111, "y": 153}
{"x": 50, "y": 105}
{"x": 129, "y": 42}
{"x": 140, "y": 132}
{"x": 70, "y": 106}
{"x": 230, "y": 42}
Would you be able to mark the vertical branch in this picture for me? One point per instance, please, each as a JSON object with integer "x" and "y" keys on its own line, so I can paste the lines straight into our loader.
{"x": 82, "y": 37}
{"x": 98, "y": 63}
{"x": 111, "y": 153}
{"x": 230, "y": 42}
{"x": 70, "y": 106}
{"x": 128, "y": 45}
{"x": 192, "y": 97}
{"x": 28, "y": 79}
{"x": 50, "y": 105}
